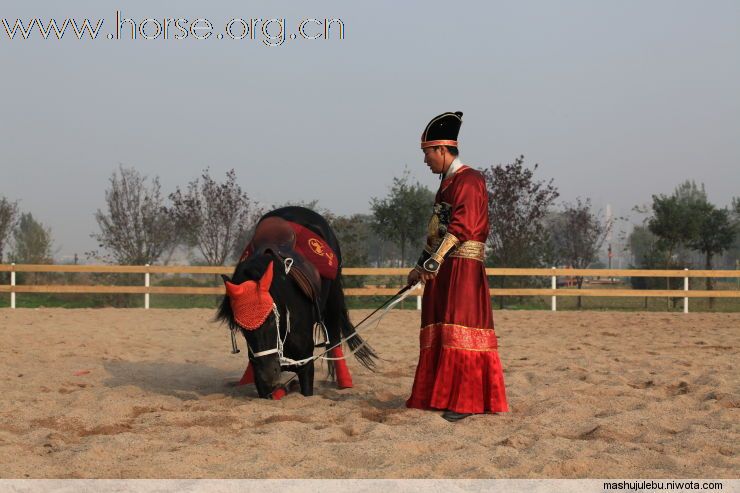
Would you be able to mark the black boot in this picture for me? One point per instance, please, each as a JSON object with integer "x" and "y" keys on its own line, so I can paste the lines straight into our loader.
{"x": 452, "y": 416}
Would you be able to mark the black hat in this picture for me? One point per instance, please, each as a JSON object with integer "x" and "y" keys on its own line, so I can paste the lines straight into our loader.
{"x": 442, "y": 130}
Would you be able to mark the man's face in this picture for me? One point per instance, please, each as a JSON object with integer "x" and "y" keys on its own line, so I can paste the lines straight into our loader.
{"x": 435, "y": 157}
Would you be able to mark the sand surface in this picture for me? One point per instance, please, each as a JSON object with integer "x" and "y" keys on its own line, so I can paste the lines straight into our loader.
{"x": 130, "y": 393}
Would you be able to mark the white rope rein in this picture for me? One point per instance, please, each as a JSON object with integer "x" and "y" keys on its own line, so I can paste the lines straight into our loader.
{"x": 279, "y": 348}
{"x": 375, "y": 318}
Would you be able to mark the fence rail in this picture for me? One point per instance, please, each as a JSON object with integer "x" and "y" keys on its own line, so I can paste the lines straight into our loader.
{"x": 146, "y": 289}
{"x": 366, "y": 271}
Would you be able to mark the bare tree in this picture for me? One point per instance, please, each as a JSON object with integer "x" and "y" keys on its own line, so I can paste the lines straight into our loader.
{"x": 308, "y": 204}
{"x": 214, "y": 217}
{"x": 8, "y": 218}
{"x": 577, "y": 234}
{"x": 136, "y": 228}
{"x": 517, "y": 206}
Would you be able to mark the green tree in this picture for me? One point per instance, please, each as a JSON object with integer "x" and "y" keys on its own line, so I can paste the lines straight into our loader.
{"x": 403, "y": 214}
{"x": 675, "y": 222}
{"x": 31, "y": 241}
{"x": 688, "y": 219}
{"x": 691, "y": 195}
{"x": 716, "y": 233}
{"x": 642, "y": 245}
{"x": 734, "y": 250}
{"x": 676, "y": 218}
{"x": 353, "y": 233}
{"x": 647, "y": 254}
{"x": 8, "y": 219}
{"x": 31, "y": 245}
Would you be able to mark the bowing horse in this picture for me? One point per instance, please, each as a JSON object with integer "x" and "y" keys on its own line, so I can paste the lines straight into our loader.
{"x": 285, "y": 296}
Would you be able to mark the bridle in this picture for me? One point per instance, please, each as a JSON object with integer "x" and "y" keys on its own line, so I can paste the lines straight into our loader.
{"x": 280, "y": 343}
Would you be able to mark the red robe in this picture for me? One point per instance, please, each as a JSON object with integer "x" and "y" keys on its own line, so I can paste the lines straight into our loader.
{"x": 459, "y": 367}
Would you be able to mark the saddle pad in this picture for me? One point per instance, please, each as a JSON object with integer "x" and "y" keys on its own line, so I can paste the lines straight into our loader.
{"x": 313, "y": 248}
{"x": 316, "y": 251}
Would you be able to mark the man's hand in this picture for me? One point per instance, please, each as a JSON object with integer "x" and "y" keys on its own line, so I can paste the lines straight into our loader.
{"x": 416, "y": 276}
{"x": 413, "y": 277}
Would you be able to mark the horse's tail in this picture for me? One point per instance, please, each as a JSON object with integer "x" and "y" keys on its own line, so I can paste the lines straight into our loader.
{"x": 338, "y": 318}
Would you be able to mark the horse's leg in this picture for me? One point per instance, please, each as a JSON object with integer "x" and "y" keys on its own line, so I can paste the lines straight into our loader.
{"x": 305, "y": 378}
{"x": 262, "y": 389}
{"x": 339, "y": 328}
{"x": 344, "y": 379}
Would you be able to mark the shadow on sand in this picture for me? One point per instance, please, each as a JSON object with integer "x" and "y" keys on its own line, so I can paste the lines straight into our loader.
{"x": 182, "y": 380}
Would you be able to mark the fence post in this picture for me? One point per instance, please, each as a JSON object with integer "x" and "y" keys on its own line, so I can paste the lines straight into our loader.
{"x": 686, "y": 288}
{"x": 12, "y": 283}
{"x": 146, "y": 284}
{"x": 554, "y": 298}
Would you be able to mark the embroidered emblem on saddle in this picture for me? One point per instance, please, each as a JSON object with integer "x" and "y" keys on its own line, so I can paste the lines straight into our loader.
{"x": 312, "y": 256}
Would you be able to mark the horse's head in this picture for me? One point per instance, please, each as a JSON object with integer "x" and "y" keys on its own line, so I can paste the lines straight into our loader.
{"x": 250, "y": 307}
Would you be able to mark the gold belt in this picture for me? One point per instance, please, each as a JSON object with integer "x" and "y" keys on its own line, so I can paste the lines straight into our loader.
{"x": 470, "y": 249}
{"x": 467, "y": 249}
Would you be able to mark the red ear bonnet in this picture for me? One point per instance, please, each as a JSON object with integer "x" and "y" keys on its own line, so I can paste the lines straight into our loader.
{"x": 250, "y": 301}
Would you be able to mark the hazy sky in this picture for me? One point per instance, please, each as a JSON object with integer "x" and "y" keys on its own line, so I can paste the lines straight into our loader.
{"x": 615, "y": 100}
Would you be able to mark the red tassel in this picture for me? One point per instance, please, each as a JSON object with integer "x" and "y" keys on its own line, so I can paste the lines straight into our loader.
{"x": 278, "y": 394}
{"x": 248, "y": 376}
{"x": 344, "y": 379}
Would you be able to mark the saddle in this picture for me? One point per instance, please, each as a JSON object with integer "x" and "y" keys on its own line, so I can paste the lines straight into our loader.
{"x": 276, "y": 235}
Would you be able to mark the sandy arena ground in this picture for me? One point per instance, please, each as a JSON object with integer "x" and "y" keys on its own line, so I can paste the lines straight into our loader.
{"x": 144, "y": 394}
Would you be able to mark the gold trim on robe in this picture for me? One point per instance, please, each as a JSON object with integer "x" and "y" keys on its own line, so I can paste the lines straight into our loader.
{"x": 454, "y": 336}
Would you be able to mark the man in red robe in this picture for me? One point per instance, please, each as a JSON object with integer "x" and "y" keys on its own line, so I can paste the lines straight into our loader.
{"x": 459, "y": 369}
